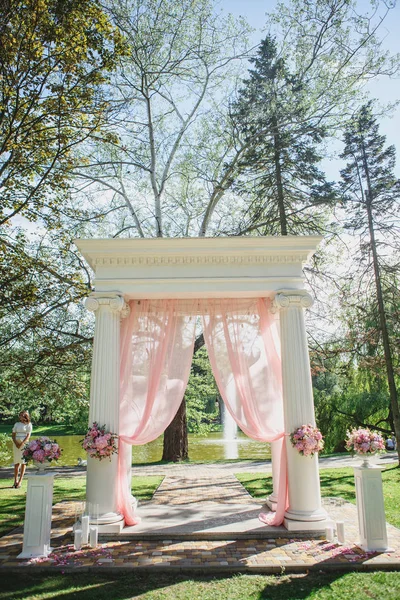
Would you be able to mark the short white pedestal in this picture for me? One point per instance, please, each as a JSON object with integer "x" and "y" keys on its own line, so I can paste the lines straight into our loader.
{"x": 371, "y": 509}
{"x": 37, "y": 524}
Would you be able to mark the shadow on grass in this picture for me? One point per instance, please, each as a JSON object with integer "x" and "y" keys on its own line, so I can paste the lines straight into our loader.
{"x": 169, "y": 586}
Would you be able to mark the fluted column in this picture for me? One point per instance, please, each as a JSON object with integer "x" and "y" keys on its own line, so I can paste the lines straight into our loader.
{"x": 305, "y": 512}
{"x": 273, "y": 497}
{"x": 101, "y": 483}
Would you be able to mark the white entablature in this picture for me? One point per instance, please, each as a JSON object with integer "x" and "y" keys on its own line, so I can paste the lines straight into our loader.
{"x": 198, "y": 267}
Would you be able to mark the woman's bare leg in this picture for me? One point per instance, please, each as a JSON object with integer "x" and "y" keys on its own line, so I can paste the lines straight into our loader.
{"x": 22, "y": 472}
{"x": 16, "y": 467}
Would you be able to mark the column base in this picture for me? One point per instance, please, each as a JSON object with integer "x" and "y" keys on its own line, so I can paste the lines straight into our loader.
{"x": 116, "y": 527}
{"x": 271, "y": 502}
{"x": 109, "y": 518}
{"x": 39, "y": 553}
{"x": 319, "y": 514}
{"x": 292, "y": 525}
{"x": 377, "y": 549}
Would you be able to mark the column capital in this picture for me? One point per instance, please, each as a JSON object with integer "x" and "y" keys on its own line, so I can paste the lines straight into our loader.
{"x": 292, "y": 299}
{"x": 114, "y": 302}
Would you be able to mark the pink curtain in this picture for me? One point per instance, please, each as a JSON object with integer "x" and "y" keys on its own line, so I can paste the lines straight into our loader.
{"x": 243, "y": 347}
{"x": 156, "y": 354}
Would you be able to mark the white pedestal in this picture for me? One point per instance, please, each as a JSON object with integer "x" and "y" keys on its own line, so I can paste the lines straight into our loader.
{"x": 371, "y": 509}
{"x": 37, "y": 524}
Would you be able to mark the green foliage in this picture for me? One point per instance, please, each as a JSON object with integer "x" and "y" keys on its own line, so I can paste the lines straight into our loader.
{"x": 55, "y": 58}
{"x": 280, "y": 179}
{"x": 371, "y": 200}
{"x": 201, "y": 395}
{"x": 5, "y": 454}
{"x": 348, "y": 394}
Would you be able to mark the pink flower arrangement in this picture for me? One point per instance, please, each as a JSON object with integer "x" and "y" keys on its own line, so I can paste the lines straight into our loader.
{"x": 41, "y": 450}
{"x": 364, "y": 441}
{"x": 100, "y": 443}
{"x": 307, "y": 440}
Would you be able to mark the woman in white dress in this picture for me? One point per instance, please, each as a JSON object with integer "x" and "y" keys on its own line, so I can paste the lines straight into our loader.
{"x": 20, "y": 435}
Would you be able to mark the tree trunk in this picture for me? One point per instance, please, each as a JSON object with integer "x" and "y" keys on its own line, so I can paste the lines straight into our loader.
{"x": 175, "y": 446}
{"x": 278, "y": 175}
{"x": 394, "y": 405}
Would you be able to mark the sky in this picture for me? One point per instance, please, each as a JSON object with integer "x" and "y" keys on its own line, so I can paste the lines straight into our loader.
{"x": 384, "y": 89}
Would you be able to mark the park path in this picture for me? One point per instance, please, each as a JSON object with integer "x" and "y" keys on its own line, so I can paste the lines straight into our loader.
{"x": 180, "y": 490}
{"x": 215, "y": 470}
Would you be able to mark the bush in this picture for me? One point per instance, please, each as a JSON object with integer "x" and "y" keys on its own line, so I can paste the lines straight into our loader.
{"x": 5, "y": 453}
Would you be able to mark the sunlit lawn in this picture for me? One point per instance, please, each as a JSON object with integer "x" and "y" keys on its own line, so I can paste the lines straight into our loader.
{"x": 12, "y": 501}
{"x": 49, "y": 430}
{"x": 335, "y": 482}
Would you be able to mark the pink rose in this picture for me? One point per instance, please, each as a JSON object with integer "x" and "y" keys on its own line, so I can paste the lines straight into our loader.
{"x": 101, "y": 442}
{"x": 39, "y": 456}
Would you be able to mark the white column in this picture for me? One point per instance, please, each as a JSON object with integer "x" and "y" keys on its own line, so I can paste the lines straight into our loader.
{"x": 305, "y": 512}
{"x": 101, "y": 481}
{"x": 273, "y": 498}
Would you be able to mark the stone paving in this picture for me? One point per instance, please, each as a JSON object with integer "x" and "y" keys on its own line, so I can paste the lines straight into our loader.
{"x": 181, "y": 490}
{"x": 278, "y": 552}
{"x": 274, "y": 555}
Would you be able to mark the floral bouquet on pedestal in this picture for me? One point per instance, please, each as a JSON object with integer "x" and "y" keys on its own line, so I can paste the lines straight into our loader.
{"x": 41, "y": 451}
{"x": 100, "y": 443}
{"x": 307, "y": 440}
{"x": 364, "y": 442}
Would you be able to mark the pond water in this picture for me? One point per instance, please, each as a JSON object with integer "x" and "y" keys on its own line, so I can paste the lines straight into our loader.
{"x": 207, "y": 448}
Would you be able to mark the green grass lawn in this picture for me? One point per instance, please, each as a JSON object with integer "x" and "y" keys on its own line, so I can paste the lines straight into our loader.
{"x": 12, "y": 502}
{"x": 177, "y": 586}
{"x": 335, "y": 482}
{"x": 48, "y": 430}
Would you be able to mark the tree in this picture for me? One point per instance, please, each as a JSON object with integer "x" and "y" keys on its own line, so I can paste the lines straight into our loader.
{"x": 179, "y": 152}
{"x": 45, "y": 336}
{"x": 328, "y": 51}
{"x": 56, "y": 58}
{"x": 181, "y": 66}
{"x": 279, "y": 173}
{"x": 372, "y": 205}
{"x": 182, "y": 56}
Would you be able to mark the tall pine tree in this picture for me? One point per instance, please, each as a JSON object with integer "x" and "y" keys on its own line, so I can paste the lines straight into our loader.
{"x": 372, "y": 201}
{"x": 282, "y": 185}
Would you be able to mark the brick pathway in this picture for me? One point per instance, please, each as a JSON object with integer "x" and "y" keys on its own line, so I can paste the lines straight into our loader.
{"x": 224, "y": 489}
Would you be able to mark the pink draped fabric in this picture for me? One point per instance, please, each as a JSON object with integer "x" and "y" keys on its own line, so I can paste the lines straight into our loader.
{"x": 243, "y": 348}
{"x": 156, "y": 351}
{"x": 156, "y": 354}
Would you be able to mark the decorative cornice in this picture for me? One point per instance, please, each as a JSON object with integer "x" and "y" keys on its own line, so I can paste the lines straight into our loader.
{"x": 292, "y": 299}
{"x": 236, "y": 251}
{"x": 114, "y": 302}
{"x": 145, "y": 261}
